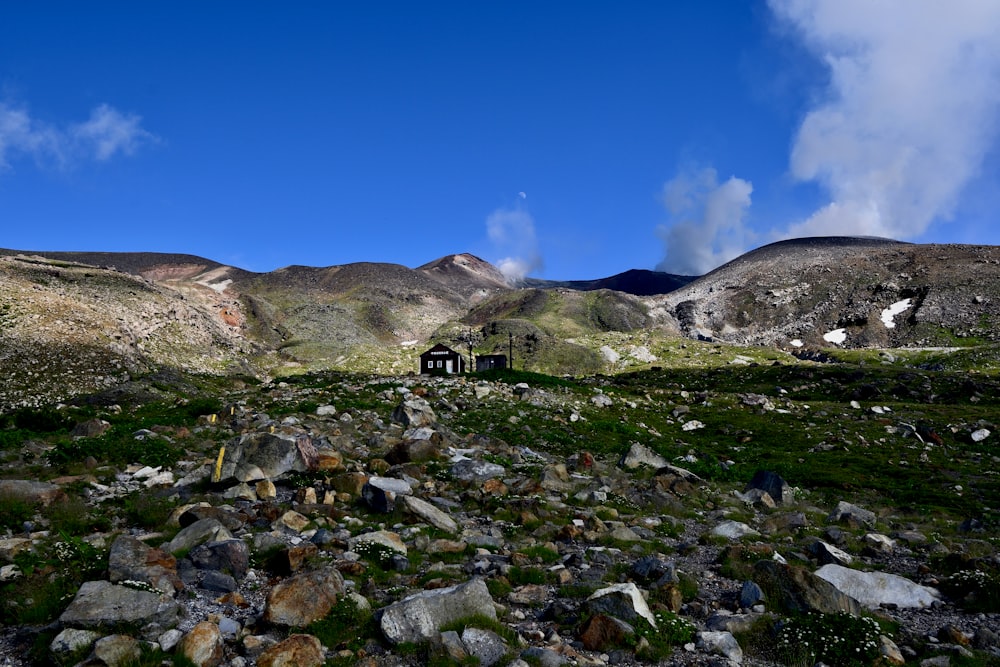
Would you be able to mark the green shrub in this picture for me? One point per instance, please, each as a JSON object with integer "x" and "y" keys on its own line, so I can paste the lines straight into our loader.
{"x": 14, "y": 511}
{"x": 73, "y": 516}
{"x": 347, "y": 625}
{"x": 839, "y": 640}
{"x": 145, "y": 509}
{"x": 520, "y": 576}
{"x": 974, "y": 590}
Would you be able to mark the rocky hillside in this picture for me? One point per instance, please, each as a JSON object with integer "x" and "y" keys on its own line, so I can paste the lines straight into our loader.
{"x": 73, "y": 322}
{"x": 508, "y": 520}
{"x": 846, "y": 292}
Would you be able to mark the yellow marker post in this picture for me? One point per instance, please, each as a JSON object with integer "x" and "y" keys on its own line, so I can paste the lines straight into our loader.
{"x": 217, "y": 473}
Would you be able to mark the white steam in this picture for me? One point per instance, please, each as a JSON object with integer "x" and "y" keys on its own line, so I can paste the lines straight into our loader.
{"x": 512, "y": 232}
{"x": 707, "y": 225}
{"x": 105, "y": 134}
{"x": 909, "y": 115}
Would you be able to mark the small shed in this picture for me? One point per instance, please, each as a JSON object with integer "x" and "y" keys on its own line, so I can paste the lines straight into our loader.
{"x": 441, "y": 359}
{"x": 485, "y": 362}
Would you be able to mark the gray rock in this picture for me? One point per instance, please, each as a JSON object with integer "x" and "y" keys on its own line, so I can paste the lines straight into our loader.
{"x": 651, "y": 568}
{"x": 640, "y": 455}
{"x": 485, "y": 645}
{"x": 545, "y": 657}
{"x": 199, "y": 532}
{"x": 733, "y": 530}
{"x": 623, "y": 601}
{"x": 36, "y": 493}
{"x": 117, "y": 650}
{"x": 214, "y": 580}
{"x": 795, "y": 589}
{"x": 133, "y": 560}
{"x": 873, "y": 589}
{"x": 103, "y": 604}
{"x": 473, "y": 470}
{"x": 602, "y": 400}
{"x": 430, "y": 514}
{"x": 852, "y": 515}
{"x": 231, "y": 557}
{"x": 827, "y": 553}
{"x": 256, "y": 456}
{"x": 772, "y": 484}
{"x": 414, "y": 412}
{"x": 71, "y": 640}
{"x": 751, "y": 594}
{"x": 721, "y": 643}
{"x": 400, "y": 487}
{"x": 419, "y": 617}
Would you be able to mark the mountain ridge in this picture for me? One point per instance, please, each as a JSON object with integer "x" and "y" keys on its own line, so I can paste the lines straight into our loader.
{"x": 135, "y": 312}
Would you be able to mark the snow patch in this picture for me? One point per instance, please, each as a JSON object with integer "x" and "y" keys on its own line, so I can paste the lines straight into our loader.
{"x": 890, "y": 313}
{"x": 797, "y": 343}
{"x": 219, "y": 287}
{"x": 837, "y": 336}
{"x": 409, "y": 343}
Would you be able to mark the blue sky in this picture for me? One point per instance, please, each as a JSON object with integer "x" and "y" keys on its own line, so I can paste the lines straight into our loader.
{"x": 565, "y": 140}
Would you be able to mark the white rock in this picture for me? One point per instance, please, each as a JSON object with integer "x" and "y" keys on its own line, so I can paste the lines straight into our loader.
{"x": 733, "y": 530}
{"x": 631, "y": 591}
{"x": 980, "y": 434}
{"x": 873, "y": 589}
{"x": 692, "y": 425}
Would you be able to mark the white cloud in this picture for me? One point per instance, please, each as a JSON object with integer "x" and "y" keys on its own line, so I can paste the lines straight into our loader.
{"x": 910, "y": 111}
{"x": 512, "y": 232}
{"x": 106, "y": 133}
{"x": 707, "y": 226}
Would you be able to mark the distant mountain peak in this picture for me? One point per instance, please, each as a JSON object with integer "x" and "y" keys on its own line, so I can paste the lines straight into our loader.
{"x": 464, "y": 266}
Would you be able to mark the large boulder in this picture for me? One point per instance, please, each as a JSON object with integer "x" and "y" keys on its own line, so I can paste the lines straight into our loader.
{"x": 297, "y": 650}
{"x": 199, "y": 532}
{"x": 203, "y": 645}
{"x": 772, "y": 484}
{"x": 414, "y": 412}
{"x": 133, "y": 560}
{"x": 640, "y": 455}
{"x": 432, "y": 515}
{"x": 229, "y": 556}
{"x": 419, "y": 617}
{"x": 262, "y": 455}
{"x": 873, "y": 589}
{"x": 36, "y": 493}
{"x": 304, "y": 598}
{"x": 104, "y": 604}
{"x": 794, "y": 589}
{"x": 623, "y": 601}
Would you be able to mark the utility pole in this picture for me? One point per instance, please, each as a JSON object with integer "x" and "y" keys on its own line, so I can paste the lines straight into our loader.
{"x": 510, "y": 350}
{"x": 471, "y": 367}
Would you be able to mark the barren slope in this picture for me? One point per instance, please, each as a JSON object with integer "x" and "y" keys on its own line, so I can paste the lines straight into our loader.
{"x": 803, "y": 290}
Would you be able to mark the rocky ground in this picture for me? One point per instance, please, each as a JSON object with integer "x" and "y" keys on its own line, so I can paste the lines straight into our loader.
{"x": 379, "y": 533}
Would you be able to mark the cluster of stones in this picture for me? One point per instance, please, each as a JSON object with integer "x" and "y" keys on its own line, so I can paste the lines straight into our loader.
{"x": 207, "y": 594}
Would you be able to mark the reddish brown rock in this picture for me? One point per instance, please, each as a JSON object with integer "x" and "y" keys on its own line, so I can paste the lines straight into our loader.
{"x": 601, "y": 632}
{"x": 203, "y": 645}
{"x": 296, "y": 651}
{"x": 304, "y": 598}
